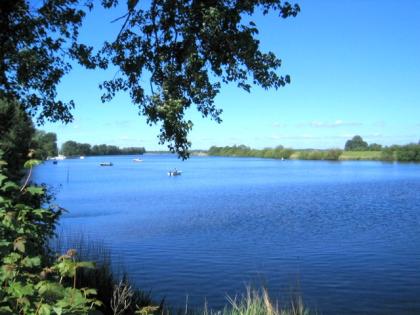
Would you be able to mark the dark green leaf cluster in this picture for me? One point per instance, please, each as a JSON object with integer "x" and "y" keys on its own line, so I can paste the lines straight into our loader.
{"x": 402, "y": 153}
{"x": 38, "y": 40}
{"x": 73, "y": 148}
{"x": 44, "y": 144}
{"x": 18, "y": 138}
{"x": 327, "y": 155}
{"x": 30, "y": 284}
{"x": 16, "y": 132}
{"x": 188, "y": 48}
{"x": 356, "y": 144}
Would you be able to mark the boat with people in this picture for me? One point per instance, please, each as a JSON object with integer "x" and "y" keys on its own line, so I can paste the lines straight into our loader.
{"x": 106, "y": 164}
{"x": 137, "y": 160}
{"x": 174, "y": 172}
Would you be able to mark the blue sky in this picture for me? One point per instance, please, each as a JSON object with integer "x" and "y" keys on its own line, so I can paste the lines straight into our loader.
{"x": 355, "y": 68}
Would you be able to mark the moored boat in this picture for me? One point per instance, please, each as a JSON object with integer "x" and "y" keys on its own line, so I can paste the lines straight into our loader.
{"x": 174, "y": 172}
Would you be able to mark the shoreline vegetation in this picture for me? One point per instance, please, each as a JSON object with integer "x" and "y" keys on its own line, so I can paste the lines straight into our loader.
{"x": 355, "y": 149}
{"x": 373, "y": 152}
{"x": 73, "y": 148}
{"x": 119, "y": 295}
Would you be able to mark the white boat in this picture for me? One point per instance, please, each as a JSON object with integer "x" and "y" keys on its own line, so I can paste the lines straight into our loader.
{"x": 137, "y": 160}
{"x": 57, "y": 158}
{"x": 82, "y": 157}
{"x": 174, "y": 173}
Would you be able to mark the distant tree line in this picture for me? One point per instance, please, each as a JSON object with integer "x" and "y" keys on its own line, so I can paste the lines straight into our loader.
{"x": 73, "y": 148}
{"x": 278, "y": 152}
{"x": 327, "y": 155}
{"x": 402, "y": 153}
{"x": 245, "y": 151}
{"x": 358, "y": 144}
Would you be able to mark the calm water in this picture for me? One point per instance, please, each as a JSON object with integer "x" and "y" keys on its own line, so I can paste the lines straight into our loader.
{"x": 346, "y": 234}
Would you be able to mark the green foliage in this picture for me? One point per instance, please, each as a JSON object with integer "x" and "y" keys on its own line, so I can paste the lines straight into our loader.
{"x": 31, "y": 163}
{"x": 402, "y": 153}
{"x": 106, "y": 276}
{"x": 37, "y": 42}
{"x": 329, "y": 155}
{"x": 361, "y": 155}
{"x": 356, "y": 144}
{"x": 30, "y": 285}
{"x": 44, "y": 144}
{"x": 73, "y": 148}
{"x": 244, "y": 151}
{"x": 187, "y": 49}
{"x": 16, "y": 132}
{"x": 375, "y": 147}
{"x": 179, "y": 43}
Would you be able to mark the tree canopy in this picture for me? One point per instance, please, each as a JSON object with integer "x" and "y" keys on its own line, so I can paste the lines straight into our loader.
{"x": 73, "y": 148}
{"x": 16, "y": 131}
{"x": 356, "y": 144}
{"x": 45, "y": 144}
{"x": 185, "y": 48}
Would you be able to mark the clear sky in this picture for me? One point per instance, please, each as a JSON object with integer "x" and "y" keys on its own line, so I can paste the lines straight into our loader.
{"x": 355, "y": 69}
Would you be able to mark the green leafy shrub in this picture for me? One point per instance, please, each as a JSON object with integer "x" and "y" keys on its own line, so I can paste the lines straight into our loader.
{"x": 30, "y": 283}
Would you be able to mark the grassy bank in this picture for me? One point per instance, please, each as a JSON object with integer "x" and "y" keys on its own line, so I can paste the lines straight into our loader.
{"x": 397, "y": 153}
{"x": 361, "y": 155}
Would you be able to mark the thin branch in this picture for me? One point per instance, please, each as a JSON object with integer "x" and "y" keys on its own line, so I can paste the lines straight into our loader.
{"x": 120, "y": 18}
{"x": 27, "y": 180}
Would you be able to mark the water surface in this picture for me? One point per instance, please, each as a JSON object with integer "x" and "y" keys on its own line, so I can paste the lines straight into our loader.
{"x": 345, "y": 234}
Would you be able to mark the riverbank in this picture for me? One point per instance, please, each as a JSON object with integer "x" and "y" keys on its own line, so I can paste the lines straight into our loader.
{"x": 397, "y": 153}
{"x": 361, "y": 156}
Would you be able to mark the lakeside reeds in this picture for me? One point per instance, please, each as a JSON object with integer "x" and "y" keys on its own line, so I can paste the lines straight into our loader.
{"x": 119, "y": 296}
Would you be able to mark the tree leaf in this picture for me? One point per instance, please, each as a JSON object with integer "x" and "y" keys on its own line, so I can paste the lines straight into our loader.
{"x": 19, "y": 244}
{"x": 31, "y": 261}
{"x": 31, "y": 163}
{"x": 9, "y": 186}
{"x": 33, "y": 190}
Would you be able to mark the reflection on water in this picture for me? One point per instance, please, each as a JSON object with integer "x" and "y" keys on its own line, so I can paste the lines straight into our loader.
{"x": 347, "y": 234}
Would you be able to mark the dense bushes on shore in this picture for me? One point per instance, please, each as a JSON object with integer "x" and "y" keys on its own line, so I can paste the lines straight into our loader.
{"x": 400, "y": 153}
{"x": 244, "y": 151}
{"x": 276, "y": 153}
{"x": 329, "y": 155}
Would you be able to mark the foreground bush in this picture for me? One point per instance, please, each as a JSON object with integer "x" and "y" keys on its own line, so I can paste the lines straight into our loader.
{"x": 31, "y": 281}
{"x": 114, "y": 288}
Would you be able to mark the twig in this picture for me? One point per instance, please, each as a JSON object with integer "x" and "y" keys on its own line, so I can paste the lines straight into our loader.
{"x": 27, "y": 180}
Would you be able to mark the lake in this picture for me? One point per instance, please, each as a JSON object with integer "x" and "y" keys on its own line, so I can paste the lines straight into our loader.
{"x": 346, "y": 235}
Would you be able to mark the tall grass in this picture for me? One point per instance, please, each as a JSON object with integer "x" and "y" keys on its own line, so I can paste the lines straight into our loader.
{"x": 258, "y": 302}
{"x": 111, "y": 282}
{"x": 107, "y": 276}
